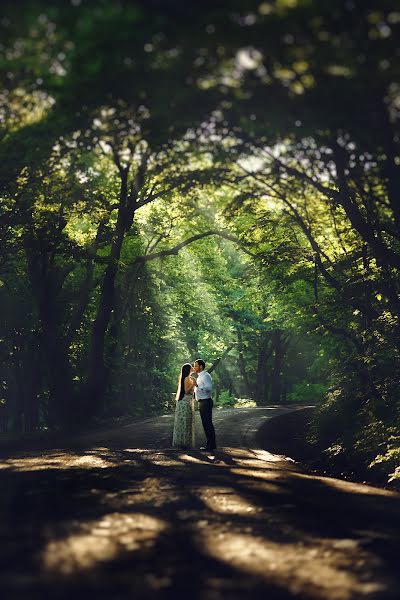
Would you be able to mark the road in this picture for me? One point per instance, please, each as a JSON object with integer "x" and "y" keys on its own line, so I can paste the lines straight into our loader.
{"x": 120, "y": 515}
{"x": 235, "y": 428}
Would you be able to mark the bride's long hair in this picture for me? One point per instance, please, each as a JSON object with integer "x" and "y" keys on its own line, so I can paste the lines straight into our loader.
{"x": 180, "y": 392}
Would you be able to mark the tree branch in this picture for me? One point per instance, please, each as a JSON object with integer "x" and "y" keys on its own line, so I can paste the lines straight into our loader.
{"x": 218, "y": 360}
{"x": 175, "y": 250}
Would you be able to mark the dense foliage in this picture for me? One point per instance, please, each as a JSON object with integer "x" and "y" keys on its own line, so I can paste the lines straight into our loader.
{"x": 222, "y": 183}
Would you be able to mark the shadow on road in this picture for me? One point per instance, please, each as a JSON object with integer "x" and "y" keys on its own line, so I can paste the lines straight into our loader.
{"x": 113, "y": 522}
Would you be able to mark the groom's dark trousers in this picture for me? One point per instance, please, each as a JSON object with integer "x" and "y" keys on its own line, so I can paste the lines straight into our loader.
{"x": 205, "y": 408}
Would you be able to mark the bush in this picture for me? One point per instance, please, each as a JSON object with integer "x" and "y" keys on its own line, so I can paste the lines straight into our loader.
{"x": 389, "y": 461}
{"x": 358, "y": 423}
{"x": 226, "y": 399}
{"x": 311, "y": 393}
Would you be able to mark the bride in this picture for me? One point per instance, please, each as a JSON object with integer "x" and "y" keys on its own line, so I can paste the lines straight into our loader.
{"x": 183, "y": 436}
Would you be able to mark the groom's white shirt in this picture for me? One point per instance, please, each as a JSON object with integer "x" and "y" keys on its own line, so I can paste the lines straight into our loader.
{"x": 204, "y": 386}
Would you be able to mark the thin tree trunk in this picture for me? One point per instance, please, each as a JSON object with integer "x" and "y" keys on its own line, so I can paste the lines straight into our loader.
{"x": 59, "y": 372}
{"x": 276, "y": 375}
{"x": 226, "y": 381}
{"x": 242, "y": 364}
{"x": 97, "y": 377}
{"x": 264, "y": 353}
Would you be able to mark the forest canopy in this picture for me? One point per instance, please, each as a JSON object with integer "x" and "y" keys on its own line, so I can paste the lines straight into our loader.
{"x": 220, "y": 182}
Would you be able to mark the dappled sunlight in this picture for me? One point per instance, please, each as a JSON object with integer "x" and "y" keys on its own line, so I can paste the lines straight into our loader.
{"x": 162, "y": 459}
{"x": 153, "y": 515}
{"x": 65, "y": 460}
{"x": 263, "y": 455}
{"x": 187, "y": 181}
{"x": 349, "y": 486}
{"x": 318, "y": 571}
{"x": 100, "y": 541}
{"x": 266, "y": 476}
{"x": 151, "y": 491}
{"x": 189, "y": 458}
{"x": 226, "y": 501}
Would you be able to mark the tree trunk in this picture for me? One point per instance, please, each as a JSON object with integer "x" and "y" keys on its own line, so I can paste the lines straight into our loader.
{"x": 226, "y": 381}
{"x": 114, "y": 355}
{"x": 61, "y": 408}
{"x": 59, "y": 372}
{"x": 262, "y": 380}
{"x": 242, "y": 365}
{"x": 365, "y": 229}
{"x": 276, "y": 375}
{"x": 97, "y": 372}
{"x": 97, "y": 378}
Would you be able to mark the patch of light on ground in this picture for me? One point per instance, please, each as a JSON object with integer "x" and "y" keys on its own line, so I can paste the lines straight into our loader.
{"x": 100, "y": 541}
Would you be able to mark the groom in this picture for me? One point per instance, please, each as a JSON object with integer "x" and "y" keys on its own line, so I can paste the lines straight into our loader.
{"x": 202, "y": 393}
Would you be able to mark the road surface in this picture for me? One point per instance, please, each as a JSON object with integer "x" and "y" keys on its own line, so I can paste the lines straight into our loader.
{"x": 121, "y": 515}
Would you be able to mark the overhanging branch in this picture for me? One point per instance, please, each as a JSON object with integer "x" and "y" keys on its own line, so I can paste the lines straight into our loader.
{"x": 175, "y": 250}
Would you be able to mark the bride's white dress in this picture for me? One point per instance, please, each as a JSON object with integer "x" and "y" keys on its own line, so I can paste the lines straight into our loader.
{"x": 183, "y": 436}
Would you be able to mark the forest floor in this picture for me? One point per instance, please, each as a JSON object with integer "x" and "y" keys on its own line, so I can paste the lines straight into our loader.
{"x": 118, "y": 514}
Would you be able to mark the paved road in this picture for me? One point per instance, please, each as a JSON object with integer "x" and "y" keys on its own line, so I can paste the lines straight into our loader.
{"x": 235, "y": 428}
{"x": 121, "y": 515}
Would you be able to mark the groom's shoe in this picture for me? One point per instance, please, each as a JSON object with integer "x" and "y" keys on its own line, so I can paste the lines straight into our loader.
{"x": 207, "y": 448}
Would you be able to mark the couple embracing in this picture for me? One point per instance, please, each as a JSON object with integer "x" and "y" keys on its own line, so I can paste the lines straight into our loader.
{"x": 191, "y": 389}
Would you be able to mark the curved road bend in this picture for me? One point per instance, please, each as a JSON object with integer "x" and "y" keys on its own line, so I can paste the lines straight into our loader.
{"x": 121, "y": 515}
{"x": 235, "y": 428}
